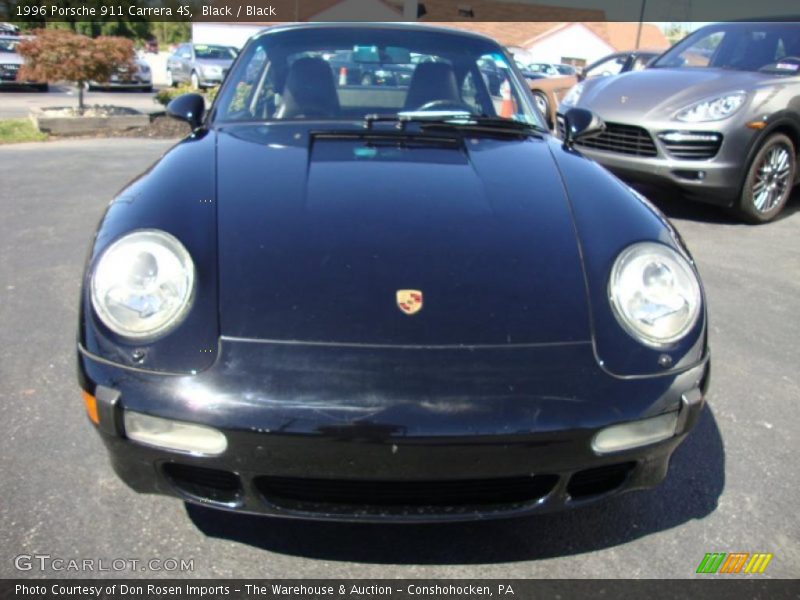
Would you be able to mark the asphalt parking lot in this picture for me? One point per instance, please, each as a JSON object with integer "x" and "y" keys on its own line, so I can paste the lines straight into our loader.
{"x": 16, "y": 102}
{"x": 732, "y": 485}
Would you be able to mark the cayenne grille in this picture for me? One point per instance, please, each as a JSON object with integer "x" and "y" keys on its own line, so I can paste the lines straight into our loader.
{"x": 623, "y": 139}
{"x": 691, "y": 145}
{"x": 300, "y": 493}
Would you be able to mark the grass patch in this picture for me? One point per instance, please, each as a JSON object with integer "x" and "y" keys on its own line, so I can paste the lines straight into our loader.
{"x": 14, "y": 131}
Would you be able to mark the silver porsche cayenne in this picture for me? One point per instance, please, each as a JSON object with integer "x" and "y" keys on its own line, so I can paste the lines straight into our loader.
{"x": 718, "y": 115}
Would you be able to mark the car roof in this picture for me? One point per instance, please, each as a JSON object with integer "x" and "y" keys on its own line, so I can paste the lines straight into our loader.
{"x": 388, "y": 25}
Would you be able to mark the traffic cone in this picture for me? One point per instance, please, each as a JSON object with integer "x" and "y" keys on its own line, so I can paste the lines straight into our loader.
{"x": 343, "y": 76}
{"x": 507, "y": 109}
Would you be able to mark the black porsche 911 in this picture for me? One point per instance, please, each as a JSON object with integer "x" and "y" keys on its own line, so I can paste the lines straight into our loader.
{"x": 369, "y": 302}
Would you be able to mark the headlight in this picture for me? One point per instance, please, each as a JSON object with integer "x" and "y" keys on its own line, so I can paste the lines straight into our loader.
{"x": 573, "y": 95}
{"x": 143, "y": 284}
{"x": 712, "y": 109}
{"x": 655, "y": 293}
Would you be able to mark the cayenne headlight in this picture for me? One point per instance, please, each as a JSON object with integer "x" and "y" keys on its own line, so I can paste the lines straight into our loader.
{"x": 654, "y": 293}
{"x": 573, "y": 95}
{"x": 713, "y": 109}
{"x": 143, "y": 284}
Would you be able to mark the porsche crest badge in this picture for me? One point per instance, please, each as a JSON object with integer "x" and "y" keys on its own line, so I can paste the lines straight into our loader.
{"x": 409, "y": 301}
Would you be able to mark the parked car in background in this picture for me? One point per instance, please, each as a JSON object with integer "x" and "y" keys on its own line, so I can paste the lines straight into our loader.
{"x": 404, "y": 304}
{"x": 527, "y": 73}
{"x": 619, "y": 62}
{"x": 717, "y": 115}
{"x": 139, "y": 78}
{"x": 565, "y": 69}
{"x": 151, "y": 46}
{"x": 548, "y": 92}
{"x": 547, "y": 69}
{"x": 200, "y": 65}
{"x": 11, "y": 62}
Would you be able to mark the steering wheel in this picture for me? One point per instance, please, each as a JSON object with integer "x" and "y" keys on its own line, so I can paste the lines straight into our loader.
{"x": 446, "y": 105}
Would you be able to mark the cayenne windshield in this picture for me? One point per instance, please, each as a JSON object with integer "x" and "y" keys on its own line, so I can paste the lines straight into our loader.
{"x": 740, "y": 46}
{"x": 347, "y": 73}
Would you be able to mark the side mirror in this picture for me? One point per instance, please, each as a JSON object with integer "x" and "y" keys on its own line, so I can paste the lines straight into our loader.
{"x": 189, "y": 108}
{"x": 580, "y": 123}
{"x": 580, "y": 74}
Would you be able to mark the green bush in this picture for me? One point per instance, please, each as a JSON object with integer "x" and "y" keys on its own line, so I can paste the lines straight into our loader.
{"x": 166, "y": 95}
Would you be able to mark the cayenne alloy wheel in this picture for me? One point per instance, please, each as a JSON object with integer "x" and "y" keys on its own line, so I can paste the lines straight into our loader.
{"x": 769, "y": 180}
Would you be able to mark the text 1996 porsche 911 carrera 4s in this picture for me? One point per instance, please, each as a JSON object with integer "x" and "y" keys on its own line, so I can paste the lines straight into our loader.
{"x": 340, "y": 299}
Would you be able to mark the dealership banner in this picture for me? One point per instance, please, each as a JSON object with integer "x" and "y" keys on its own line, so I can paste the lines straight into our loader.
{"x": 275, "y": 11}
{"x": 395, "y": 589}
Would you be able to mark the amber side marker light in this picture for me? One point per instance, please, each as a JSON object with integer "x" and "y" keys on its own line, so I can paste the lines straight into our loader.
{"x": 755, "y": 124}
{"x": 90, "y": 402}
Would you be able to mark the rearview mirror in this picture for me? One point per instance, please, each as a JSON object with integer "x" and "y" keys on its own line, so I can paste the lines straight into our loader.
{"x": 580, "y": 123}
{"x": 189, "y": 108}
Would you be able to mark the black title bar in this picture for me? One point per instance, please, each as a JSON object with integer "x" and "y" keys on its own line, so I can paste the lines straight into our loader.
{"x": 710, "y": 588}
{"x": 273, "y": 11}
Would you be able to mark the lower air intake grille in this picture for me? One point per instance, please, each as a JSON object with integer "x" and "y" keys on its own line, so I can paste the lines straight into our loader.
{"x": 211, "y": 485}
{"x": 598, "y": 480}
{"x": 623, "y": 139}
{"x": 294, "y": 492}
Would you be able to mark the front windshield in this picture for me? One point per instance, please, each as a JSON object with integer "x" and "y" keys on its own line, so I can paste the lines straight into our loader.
{"x": 8, "y": 45}
{"x": 214, "y": 52}
{"x": 347, "y": 73}
{"x": 740, "y": 46}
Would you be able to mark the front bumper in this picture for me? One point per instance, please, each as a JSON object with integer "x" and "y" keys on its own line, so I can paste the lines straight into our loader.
{"x": 210, "y": 80}
{"x": 394, "y": 434}
{"x": 717, "y": 180}
{"x": 719, "y": 184}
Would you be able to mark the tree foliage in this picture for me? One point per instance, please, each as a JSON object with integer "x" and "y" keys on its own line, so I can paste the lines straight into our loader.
{"x": 61, "y": 55}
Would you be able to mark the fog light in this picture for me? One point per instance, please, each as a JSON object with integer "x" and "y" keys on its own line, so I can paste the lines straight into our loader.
{"x": 174, "y": 435}
{"x": 634, "y": 434}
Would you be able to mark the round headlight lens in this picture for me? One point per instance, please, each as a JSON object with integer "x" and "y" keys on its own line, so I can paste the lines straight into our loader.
{"x": 655, "y": 293}
{"x": 143, "y": 284}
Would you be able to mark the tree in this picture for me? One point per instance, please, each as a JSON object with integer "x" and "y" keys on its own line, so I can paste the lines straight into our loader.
{"x": 60, "y": 55}
{"x": 675, "y": 32}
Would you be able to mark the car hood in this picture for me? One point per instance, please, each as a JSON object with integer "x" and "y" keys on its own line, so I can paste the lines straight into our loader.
{"x": 659, "y": 93}
{"x": 317, "y": 234}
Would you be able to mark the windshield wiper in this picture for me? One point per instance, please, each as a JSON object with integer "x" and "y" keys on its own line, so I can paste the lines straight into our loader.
{"x": 457, "y": 119}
